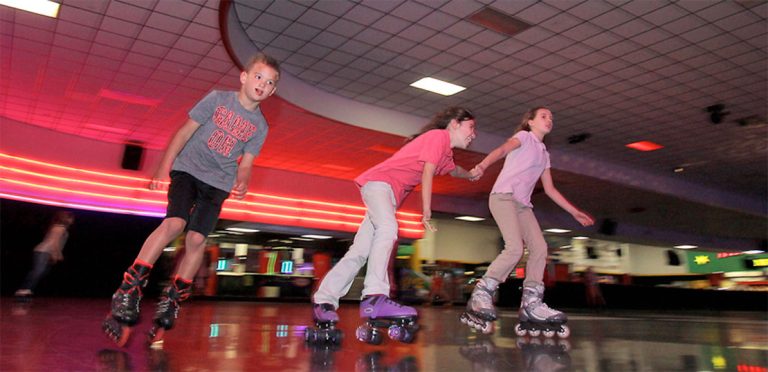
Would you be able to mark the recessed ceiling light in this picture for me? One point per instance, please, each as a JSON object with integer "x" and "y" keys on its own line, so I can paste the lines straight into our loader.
{"x": 754, "y": 251}
{"x": 470, "y": 218}
{"x": 557, "y": 231}
{"x": 686, "y": 246}
{"x": 42, "y": 7}
{"x": 581, "y": 237}
{"x": 438, "y": 86}
{"x": 644, "y": 146}
{"x": 312, "y": 236}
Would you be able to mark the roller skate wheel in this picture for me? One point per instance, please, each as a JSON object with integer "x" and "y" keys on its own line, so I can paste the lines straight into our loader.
{"x": 534, "y": 332}
{"x": 487, "y": 328}
{"x": 565, "y": 345}
{"x": 548, "y": 333}
{"x": 564, "y": 331}
{"x": 336, "y": 337}
{"x": 396, "y": 332}
{"x": 118, "y": 332}
{"x": 409, "y": 335}
{"x": 156, "y": 337}
{"x": 520, "y": 331}
{"x": 308, "y": 333}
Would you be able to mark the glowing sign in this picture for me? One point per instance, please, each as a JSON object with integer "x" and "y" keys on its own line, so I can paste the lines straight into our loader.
{"x": 286, "y": 267}
{"x": 701, "y": 260}
{"x": 760, "y": 262}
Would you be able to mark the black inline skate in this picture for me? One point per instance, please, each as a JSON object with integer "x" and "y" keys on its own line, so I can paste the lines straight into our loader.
{"x": 168, "y": 309}
{"x": 537, "y": 318}
{"x": 381, "y": 312}
{"x": 125, "y": 304}
{"x": 325, "y": 331}
{"x": 481, "y": 314}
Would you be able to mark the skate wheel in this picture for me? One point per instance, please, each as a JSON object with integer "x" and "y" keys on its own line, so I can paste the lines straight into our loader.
{"x": 488, "y": 327}
{"x": 409, "y": 335}
{"x": 336, "y": 337}
{"x": 549, "y": 333}
{"x": 534, "y": 332}
{"x": 564, "y": 331}
{"x": 520, "y": 331}
{"x": 565, "y": 345}
{"x": 309, "y": 335}
{"x": 119, "y": 333}
{"x": 156, "y": 337}
{"x": 463, "y": 318}
{"x": 396, "y": 332}
{"x": 368, "y": 334}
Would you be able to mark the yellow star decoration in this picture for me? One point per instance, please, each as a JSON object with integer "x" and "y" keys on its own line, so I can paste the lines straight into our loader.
{"x": 701, "y": 260}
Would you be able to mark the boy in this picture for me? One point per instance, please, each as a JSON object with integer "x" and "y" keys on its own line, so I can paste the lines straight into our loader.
{"x": 202, "y": 161}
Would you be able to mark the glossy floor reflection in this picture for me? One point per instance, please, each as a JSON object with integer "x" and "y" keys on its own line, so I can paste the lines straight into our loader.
{"x": 57, "y": 334}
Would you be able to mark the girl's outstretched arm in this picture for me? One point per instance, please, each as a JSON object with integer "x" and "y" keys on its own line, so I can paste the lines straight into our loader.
{"x": 493, "y": 156}
{"x": 549, "y": 188}
{"x": 460, "y": 172}
{"x": 426, "y": 195}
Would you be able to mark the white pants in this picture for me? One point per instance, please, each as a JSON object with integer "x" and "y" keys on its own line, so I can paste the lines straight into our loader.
{"x": 373, "y": 242}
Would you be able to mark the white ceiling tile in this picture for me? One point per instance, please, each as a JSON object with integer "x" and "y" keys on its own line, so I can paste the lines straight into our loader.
{"x": 650, "y": 37}
{"x": 612, "y": 19}
{"x": 590, "y": 9}
{"x": 582, "y": 31}
{"x": 720, "y": 10}
{"x": 560, "y": 22}
{"x": 287, "y": 9}
{"x": 166, "y": 23}
{"x": 438, "y": 21}
{"x": 127, "y": 12}
{"x": 149, "y": 49}
{"x": 665, "y": 15}
{"x": 271, "y": 23}
{"x": 602, "y": 40}
{"x": 531, "y": 54}
{"x": 411, "y": 11}
{"x": 684, "y": 24}
{"x": 372, "y": 37}
{"x": 621, "y": 48}
{"x": 632, "y": 28}
{"x": 192, "y": 45}
{"x": 390, "y": 24}
{"x": 537, "y": 13}
{"x": 612, "y": 66}
{"x": 739, "y": 20}
{"x": 487, "y": 38}
{"x": 461, "y": 8}
{"x": 751, "y": 31}
{"x": 80, "y": 16}
{"x": 301, "y": 31}
{"x": 260, "y": 36}
{"x": 417, "y": 33}
{"x": 668, "y": 45}
{"x": 203, "y": 33}
{"x": 156, "y": 36}
{"x": 701, "y": 34}
{"x": 178, "y": 9}
{"x": 207, "y": 16}
{"x": 563, "y": 4}
{"x": 509, "y": 46}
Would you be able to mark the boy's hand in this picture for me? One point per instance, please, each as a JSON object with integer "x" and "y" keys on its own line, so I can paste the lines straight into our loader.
{"x": 158, "y": 183}
{"x": 240, "y": 190}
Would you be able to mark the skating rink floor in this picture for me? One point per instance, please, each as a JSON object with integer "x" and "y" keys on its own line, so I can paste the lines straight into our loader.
{"x": 61, "y": 334}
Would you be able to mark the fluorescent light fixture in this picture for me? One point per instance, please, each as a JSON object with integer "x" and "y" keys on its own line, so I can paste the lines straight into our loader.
{"x": 686, "y": 246}
{"x": 310, "y": 236}
{"x": 437, "y": 86}
{"x": 214, "y": 235}
{"x": 558, "y": 231}
{"x": 470, "y": 218}
{"x": 301, "y": 239}
{"x": 754, "y": 251}
{"x": 581, "y": 237}
{"x": 42, "y": 7}
{"x": 242, "y": 229}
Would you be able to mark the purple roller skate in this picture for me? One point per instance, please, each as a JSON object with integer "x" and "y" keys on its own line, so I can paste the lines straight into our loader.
{"x": 381, "y": 312}
{"x": 325, "y": 331}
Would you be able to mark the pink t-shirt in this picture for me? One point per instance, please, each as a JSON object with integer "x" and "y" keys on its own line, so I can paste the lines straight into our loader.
{"x": 403, "y": 170}
{"x": 522, "y": 168}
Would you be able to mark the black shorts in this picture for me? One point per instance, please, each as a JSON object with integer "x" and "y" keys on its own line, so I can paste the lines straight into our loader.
{"x": 194, "y": 201}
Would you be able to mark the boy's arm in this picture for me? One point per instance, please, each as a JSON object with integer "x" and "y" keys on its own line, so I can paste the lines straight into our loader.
{"x": 174, "y": 148}
{"x": 549, "y": 188}
{"x": 243, "y": 176}
{"x": 493, "y": 156}
{"x": 426, "y": 195}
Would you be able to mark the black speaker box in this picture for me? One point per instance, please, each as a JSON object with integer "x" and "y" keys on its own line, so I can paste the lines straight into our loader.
{"x": 133, "y": 154}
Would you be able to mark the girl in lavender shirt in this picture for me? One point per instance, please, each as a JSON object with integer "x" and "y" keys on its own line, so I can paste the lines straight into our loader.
{"x": 527, "y": 161}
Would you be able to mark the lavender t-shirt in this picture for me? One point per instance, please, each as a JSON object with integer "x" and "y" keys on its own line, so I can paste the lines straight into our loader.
{"x": 522, "y": 168}
{"x": 227, "y": 130}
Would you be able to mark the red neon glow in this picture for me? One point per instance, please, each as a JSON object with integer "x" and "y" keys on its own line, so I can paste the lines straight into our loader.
{"x": 644, "y": 146}
{"x": 61, "y": 185}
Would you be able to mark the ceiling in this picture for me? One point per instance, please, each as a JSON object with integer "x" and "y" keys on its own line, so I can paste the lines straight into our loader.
{"x": 617, "y": 71}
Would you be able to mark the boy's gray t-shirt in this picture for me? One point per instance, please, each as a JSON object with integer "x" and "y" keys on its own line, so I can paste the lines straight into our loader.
{"x": 227, "y": 130}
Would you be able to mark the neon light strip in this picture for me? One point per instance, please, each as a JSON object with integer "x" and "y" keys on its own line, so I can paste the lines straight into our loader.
{"x": 80, "y": 206}
{"x": 146, "y": 180}
{"x": 65, "y": 179}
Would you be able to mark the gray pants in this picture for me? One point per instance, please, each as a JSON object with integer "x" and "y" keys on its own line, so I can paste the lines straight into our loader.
{"x": 40, "y": 266}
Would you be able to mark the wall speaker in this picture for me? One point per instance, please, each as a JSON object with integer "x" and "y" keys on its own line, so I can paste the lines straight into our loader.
{"x": 672, "y": 258}
{"x": 133, "y": 155}
{"x": 607, "y": 227}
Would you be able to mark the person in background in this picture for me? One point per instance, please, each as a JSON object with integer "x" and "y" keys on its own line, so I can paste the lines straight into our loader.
{"x": 48, "y": 253}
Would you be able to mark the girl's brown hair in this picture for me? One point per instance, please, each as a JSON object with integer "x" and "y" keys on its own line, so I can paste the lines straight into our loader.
{"x": 443, "y": 118}
{"x": 529, "y": 115}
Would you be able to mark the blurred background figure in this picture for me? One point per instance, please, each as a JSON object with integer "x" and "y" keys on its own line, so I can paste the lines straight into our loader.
{"x": 48, "y": 252}
{"x": 594, "y": 294}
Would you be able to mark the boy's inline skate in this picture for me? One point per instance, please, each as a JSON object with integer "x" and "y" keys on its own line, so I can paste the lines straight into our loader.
{"x": 168, "y": 309}
{"x": 536, "y": 317}
{"x": 381, "y": 312}
{"x": 480, "y": 313}
{"x": 125, "y": 304}
{"x": 325, "y": 331}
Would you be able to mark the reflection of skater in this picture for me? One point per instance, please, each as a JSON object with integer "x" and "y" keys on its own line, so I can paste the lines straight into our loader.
{"x": 594, "y": 294}
{"x": 202, "y": 162}
{"x": 383, "y": 189}
{"x": 527, "y": 161}
{"x": 439, "y": 290}
{"x": 48, "y": 252}
{"x": 547, "y": 356}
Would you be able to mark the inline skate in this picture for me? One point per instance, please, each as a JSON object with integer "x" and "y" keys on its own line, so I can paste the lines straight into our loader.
{"x": 168, "y": 309}
{"x": 381, "y": 312}
{"x": 124, "y": 312}
{"x": 481, "y": 314}
{"x": 536, "y": 317}
{"x": 325, "y": 331}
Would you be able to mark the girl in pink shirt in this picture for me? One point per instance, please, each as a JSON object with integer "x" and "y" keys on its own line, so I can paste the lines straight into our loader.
{"x": 383, "y": 189}
{"x": 527, "y": 161}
